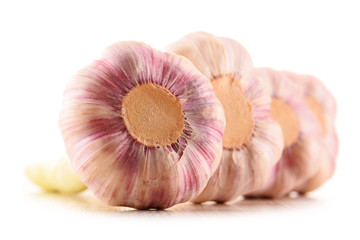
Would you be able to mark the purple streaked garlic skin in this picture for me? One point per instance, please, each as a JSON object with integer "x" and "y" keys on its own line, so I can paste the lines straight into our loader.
{"x": 123, "y": 170}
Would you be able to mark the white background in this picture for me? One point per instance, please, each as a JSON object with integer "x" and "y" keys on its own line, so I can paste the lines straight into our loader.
{"x": 42, "y": 44}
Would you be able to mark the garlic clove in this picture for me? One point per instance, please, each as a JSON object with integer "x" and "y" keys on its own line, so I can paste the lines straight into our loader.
{"x": 252, "y": 141}
{"x": 301, "y": 133}
{"x": 55, "y": 176}
{"x": 323, "y": 106}
{"x": 142, "y": 128}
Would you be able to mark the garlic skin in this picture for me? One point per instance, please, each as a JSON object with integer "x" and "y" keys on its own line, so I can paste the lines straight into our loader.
{"x": 120, "y": 169}
{"x": 246, "y": 168}
{"x": 325, "y": 112}
{"x": 299, "y": 159}
{"x": 55, "y": 176}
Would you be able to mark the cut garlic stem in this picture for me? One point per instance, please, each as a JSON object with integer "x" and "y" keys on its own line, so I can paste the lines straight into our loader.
{"x": 55, "y": 176}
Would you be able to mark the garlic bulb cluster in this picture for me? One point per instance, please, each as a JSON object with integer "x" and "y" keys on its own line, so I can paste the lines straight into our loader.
{"x": 149, "y": 129}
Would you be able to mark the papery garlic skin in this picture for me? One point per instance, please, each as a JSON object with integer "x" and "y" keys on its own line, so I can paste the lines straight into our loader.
{"x": 55, "y": 176}
{"x": 314, "y": 90}
{"x": 299, "y": 159}
{"x": 246, "y": 168}
{"x": 119, "y": 169}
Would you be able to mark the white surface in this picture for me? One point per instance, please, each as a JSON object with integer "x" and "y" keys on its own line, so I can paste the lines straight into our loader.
{"x": 44, "y": 43}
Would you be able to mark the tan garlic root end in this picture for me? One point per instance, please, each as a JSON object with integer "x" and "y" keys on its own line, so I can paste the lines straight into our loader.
{"x": 153, "y": 115}
{"x": 55, "y": 176}
{"x": 238, "y": 111}
{"x": 287, "y": 119}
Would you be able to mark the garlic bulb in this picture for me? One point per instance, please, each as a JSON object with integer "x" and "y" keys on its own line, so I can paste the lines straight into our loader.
{"x": 323, "y": 106}
{"x": 252, "y": 141}
{"x": 300, "y": 130}
{"x": 142, "y": 128}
